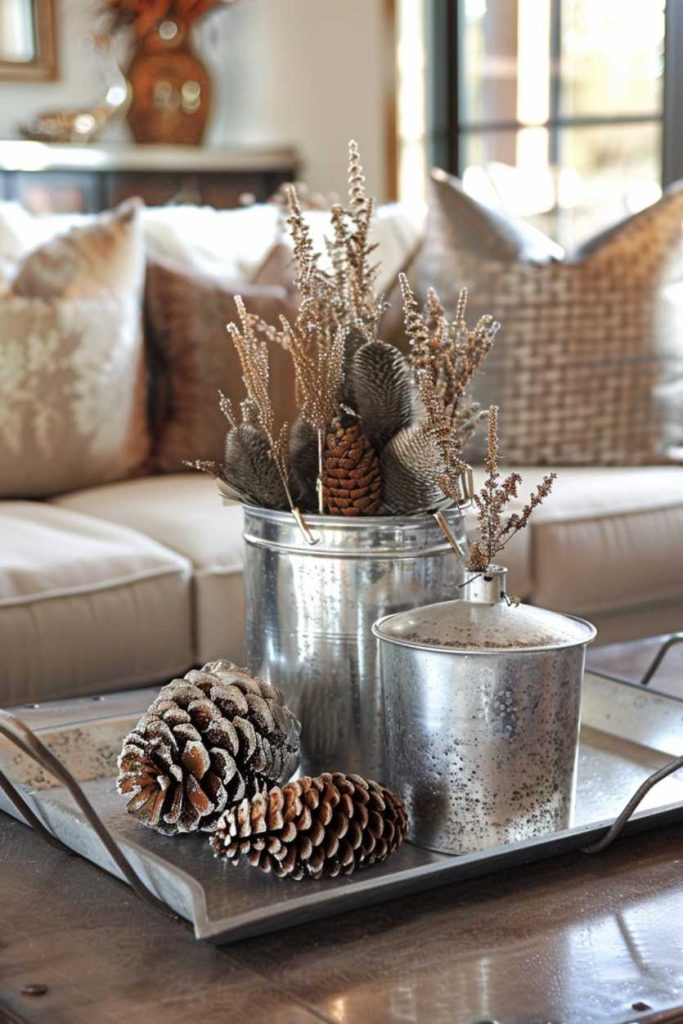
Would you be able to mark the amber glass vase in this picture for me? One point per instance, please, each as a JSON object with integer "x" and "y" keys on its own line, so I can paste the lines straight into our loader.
{"x": 170, "y": 88}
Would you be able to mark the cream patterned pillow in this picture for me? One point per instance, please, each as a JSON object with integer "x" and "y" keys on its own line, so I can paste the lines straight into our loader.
{"x": 588, "y": 366}
{"x": 72, "y": 383}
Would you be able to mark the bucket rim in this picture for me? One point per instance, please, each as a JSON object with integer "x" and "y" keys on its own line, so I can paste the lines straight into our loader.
{"x": 351, "y": 522}
{"x": 591, "y": 633}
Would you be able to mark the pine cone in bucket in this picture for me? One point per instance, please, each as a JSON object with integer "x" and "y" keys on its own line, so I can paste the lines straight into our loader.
{"x": 329, "y": 825}
{"x": 207, "y": 740}
{"x": 352, "y": 478}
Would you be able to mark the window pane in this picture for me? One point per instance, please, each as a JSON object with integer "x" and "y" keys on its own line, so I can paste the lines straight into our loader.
{"x": 512, "y": 170}
{"x": 612, "y": 56}
{"x": 605, "y": 173}
{"x": 608, "y": 172}
{"x": 505, "y": 61}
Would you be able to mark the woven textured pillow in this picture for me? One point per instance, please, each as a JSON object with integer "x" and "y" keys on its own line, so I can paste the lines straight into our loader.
{"x": 588, "y": 366}
{"x": 72, "y": 383}
{"x": 194, "y": 358}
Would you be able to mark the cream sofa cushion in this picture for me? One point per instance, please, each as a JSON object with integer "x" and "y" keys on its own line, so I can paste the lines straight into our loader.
{"x": 610, "y": 539}
{"x": 86, "y": 606}
{"x": 184, "y": 512}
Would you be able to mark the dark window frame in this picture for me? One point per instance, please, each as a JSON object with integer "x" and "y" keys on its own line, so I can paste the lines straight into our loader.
{"x": 445, "y": 128}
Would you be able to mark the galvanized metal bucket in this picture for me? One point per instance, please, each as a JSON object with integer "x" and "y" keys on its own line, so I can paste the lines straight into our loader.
{"x": 482, "y": 700}
{"x": 310, "y": 611}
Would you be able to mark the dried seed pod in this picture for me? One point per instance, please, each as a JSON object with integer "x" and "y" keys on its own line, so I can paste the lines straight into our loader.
{"x": 411, "y": 470}
{"x": 303, "y": 465}
{"x": 250, "y": 468}
{"x": 352, "y": 478}
{"x": 380, "y": 382}
{"x": 207, "y": 740}
{"x": 329, "y": 825}
{"x": 353, "y": 340}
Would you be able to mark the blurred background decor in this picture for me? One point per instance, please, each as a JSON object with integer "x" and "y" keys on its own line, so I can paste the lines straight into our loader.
{"x": 170, "y": 86}
{"x": 27, "y": 40}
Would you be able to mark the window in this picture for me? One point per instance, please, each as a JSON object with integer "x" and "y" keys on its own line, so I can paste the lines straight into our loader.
{"x": 552, "y": 109}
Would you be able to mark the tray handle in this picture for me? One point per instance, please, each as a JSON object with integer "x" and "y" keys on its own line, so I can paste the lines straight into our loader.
{"x": 617, "y": 826}
{"x": 671, "y": 641}
{"x": 18, "y": 733}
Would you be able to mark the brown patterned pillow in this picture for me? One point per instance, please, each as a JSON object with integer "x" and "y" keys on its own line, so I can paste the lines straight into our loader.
{"x": 194, "y": 357}
{"x": 72, "y": 382}
{"x": 588, "y": 368}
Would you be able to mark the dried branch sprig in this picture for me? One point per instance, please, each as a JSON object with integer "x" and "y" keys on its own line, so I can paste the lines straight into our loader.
{"x": 362, "y": 274}
{"x": 305, "y": 256}
{"x": 444, "y": 358}
{"x": 252, "y": 350}
{"x": 495, "y": 527}
{"x": 331, "y": 304}
{"x": 450, "y": 353}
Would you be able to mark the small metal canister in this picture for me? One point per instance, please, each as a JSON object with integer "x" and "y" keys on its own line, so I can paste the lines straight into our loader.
{"x": 310, "y": 611}
{"x": 482, "y": 698}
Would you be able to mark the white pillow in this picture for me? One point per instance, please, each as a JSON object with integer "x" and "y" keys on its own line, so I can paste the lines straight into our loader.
{"x": 226, "y": 245}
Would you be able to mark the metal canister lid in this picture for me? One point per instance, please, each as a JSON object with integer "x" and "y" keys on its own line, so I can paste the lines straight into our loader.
{"x": 483, "y": 622}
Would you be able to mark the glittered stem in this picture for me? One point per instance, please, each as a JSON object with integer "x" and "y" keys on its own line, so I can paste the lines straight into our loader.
{"x": 301, "y": 523}
{"x": 319, "y": 481}
{"x": 448, "y": 534}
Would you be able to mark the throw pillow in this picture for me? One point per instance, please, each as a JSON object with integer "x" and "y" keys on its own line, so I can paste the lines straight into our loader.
{"x": 72, "y": 383}
{"x": 104, "y": 257}
{"x": 194, "y": 359}
{"x": 588, "y": 368}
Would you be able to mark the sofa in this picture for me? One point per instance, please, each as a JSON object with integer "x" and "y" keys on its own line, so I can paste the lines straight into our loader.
{"x": 134, "y": 581}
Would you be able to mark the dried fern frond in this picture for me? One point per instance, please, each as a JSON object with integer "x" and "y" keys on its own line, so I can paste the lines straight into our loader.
{"x": 495, "y": 527}
{"x": 248, "y": 473}
{"x": 411, "y": 469}
{"x": 380, "y": 389}
{"x": 303, "y": 464}
{"x": 250, "y": 469}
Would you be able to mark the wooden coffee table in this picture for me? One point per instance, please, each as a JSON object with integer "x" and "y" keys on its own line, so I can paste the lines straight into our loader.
{"x": 574, "y": 940}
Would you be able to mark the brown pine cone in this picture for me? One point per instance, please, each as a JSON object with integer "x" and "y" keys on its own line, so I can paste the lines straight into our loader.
{"x": 328, "y": 825}
{"x": 352, "y": 478}
{"x": 207, "y": 740}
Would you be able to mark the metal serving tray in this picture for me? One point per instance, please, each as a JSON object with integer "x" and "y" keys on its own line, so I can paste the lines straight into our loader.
{"x": 627, "y": 733}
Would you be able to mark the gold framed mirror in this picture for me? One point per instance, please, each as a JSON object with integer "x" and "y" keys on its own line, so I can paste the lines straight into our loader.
{"x": 28, "y": 46}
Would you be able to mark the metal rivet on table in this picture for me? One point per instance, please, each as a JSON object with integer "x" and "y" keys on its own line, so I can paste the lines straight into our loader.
{"x": 640, "y": 1007}
{"x": 34, "y": 989}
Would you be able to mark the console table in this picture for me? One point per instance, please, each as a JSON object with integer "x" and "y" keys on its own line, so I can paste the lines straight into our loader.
{"x": 49, "y": 178}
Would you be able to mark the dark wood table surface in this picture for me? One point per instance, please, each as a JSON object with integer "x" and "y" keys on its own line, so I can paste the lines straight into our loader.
{"x": 575, "y": 940}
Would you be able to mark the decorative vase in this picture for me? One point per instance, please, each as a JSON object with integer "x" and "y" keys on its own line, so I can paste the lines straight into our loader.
{"x": 310, "y": 611}
{"x": 482, "y": 700}
{"x": 170, "y": 88}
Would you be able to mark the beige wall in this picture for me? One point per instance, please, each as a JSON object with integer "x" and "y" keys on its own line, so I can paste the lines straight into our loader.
{"x": 308, "y": 72}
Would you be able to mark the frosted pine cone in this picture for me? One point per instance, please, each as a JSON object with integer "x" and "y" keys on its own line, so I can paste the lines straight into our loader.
{"x": 328, "y": 825}
{"x": 380, "y": 382}
{"x": 411, "y": 467}
{"x": 352, "y": 479}
{"x": 207, "y": 740}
